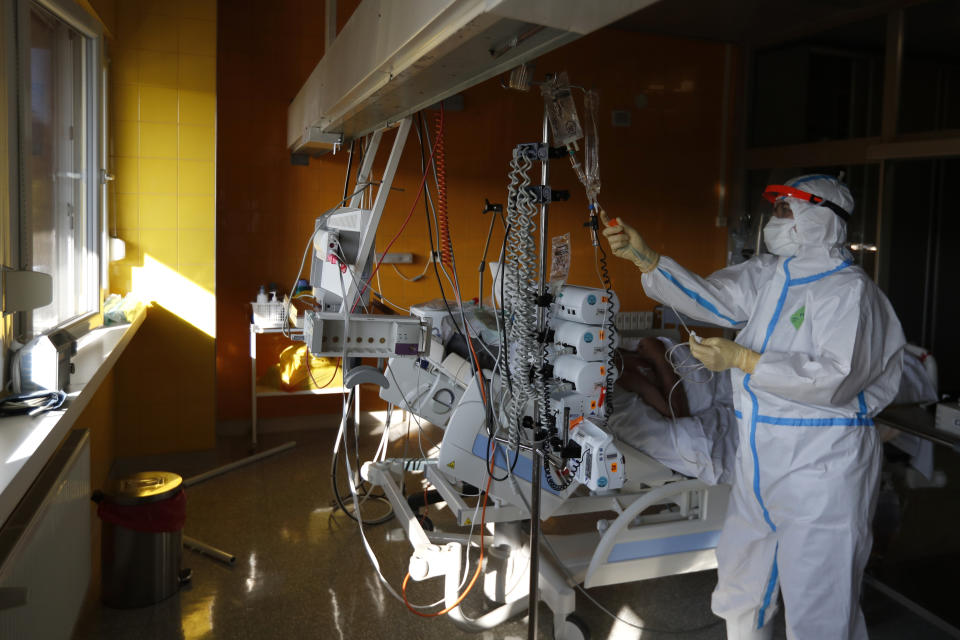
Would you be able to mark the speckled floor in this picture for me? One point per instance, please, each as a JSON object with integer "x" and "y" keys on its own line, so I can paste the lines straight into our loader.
{"x": 301, "y": 571}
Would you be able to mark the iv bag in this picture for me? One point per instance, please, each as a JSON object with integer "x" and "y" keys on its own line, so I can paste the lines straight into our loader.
{"x": 559, "y": 262}
{"x": 591, "y": 146}
{"x": 561, "y": 110}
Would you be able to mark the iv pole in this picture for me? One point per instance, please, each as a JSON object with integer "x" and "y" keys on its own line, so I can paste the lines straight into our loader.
{"x": 537, "y": 453}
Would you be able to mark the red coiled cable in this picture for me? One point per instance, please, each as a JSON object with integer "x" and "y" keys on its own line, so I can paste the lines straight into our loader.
{"x": 446, "y": 248}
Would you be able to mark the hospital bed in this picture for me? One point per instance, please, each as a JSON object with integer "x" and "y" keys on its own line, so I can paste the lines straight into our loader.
{"x": 664, "y": 520}
{"x": 658, "y": 523}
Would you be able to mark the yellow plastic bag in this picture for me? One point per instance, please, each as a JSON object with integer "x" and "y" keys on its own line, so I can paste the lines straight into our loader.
{"x": 294, "y": 375}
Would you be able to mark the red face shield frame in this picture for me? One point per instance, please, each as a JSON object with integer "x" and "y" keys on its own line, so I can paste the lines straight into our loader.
{"x": 774, "y": 191}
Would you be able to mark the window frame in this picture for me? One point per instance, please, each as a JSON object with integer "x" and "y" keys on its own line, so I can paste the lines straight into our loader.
{"x": 94, "y": 106}
{"x": 889, "y": 145}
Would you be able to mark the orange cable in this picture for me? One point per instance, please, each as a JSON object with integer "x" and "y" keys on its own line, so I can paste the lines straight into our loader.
{"x": 443, "y": 222}
{"x": 335, "y": 369}
{"x": 446, "y": 252}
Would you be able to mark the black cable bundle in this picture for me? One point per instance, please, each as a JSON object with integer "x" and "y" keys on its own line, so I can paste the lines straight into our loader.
{"x": 556, "y": 486}
{"x": 32, "y": 403}
{"x": 611, "y": 319}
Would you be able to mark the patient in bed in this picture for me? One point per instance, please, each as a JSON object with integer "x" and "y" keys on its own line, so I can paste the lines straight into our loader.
{"x": 700, "y": 438}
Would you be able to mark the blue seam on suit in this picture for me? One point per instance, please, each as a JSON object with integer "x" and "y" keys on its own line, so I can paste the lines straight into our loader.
{"x": 756, "y": 457}
{"x": 818, "y": 176}
{"x": 818, "y": 276}
{"x": 768, "y": 594}
{"x": 703, "y": 302}
{"x": 861, "y": 420}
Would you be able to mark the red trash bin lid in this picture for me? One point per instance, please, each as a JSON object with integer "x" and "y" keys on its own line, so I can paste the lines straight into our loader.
{"x": 145, "y": 487}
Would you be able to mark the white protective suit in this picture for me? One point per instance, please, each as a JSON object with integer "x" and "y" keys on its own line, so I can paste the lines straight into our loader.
{"x": 808, "y": 465}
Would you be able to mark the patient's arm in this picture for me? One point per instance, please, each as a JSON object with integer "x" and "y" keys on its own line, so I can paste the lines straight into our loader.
{"x": 636, "y": 382}
{"x": 647, "y": 373}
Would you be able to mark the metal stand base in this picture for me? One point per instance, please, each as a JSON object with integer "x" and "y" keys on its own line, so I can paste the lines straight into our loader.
{"x": 206, "y": 475}
{"x": 209, "y": 551}
{"x": 202, "y": 547}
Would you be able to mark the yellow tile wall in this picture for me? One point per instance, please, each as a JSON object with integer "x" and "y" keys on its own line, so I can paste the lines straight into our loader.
{"x": 163, "y": 150}
{"x": 6, "y": 250}
{"x": 163, "y": 107}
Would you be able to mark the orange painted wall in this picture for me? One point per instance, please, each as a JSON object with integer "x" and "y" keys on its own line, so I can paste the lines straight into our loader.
{"x": 661, "y": 174}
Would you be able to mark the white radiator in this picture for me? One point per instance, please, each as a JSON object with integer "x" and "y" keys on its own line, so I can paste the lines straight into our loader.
{"x": 45, "y": 548}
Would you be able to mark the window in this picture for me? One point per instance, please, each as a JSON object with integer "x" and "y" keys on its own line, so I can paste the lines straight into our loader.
{"x": 826, "y": 87}
{"x": 880, "y": 99}
{"x": 918, "y": 239}
{"x": 930, "y": 84}
{"x": 60, "y": 219}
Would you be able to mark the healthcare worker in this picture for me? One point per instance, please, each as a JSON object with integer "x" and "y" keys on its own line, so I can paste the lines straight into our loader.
{"x": 818, "y": 354}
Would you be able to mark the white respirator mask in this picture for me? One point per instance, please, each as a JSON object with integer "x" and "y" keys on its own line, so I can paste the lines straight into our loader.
{"x": 781, "y": 238}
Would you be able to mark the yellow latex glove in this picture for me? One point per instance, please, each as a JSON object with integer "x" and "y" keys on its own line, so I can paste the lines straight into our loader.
{"x": 626, "y": 243}
{"x": 719, "y": 354}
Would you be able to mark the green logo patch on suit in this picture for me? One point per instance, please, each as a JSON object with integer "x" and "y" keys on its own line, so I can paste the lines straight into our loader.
{"x": 797, "y": 318}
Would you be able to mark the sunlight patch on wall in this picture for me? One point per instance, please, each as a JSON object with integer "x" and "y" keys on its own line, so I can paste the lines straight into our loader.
{"x": 156, "y": 282}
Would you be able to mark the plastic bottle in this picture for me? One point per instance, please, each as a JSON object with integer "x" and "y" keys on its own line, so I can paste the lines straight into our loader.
{"x": 262, "y": 295}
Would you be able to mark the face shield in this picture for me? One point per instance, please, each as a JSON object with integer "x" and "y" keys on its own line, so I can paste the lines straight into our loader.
{"x": 774, "y": 234}
{"x": 776, "y": 193}
{"x": 801, "y": 218}
{"x": 780, "y": 209}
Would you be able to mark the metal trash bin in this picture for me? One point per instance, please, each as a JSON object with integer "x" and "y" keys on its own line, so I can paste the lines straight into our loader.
{"x": 141, "y": 539}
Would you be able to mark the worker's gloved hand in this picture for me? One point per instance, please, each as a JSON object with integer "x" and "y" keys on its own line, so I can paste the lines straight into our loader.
{"x": 626, "y": 243}
{"x": 720, "y": 354}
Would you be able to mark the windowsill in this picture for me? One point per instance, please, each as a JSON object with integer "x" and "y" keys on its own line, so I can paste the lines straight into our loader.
{"x": 27, "y": 443}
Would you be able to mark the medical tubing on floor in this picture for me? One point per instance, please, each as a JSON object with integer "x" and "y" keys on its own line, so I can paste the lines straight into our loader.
{"x": 440, "y": 164}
